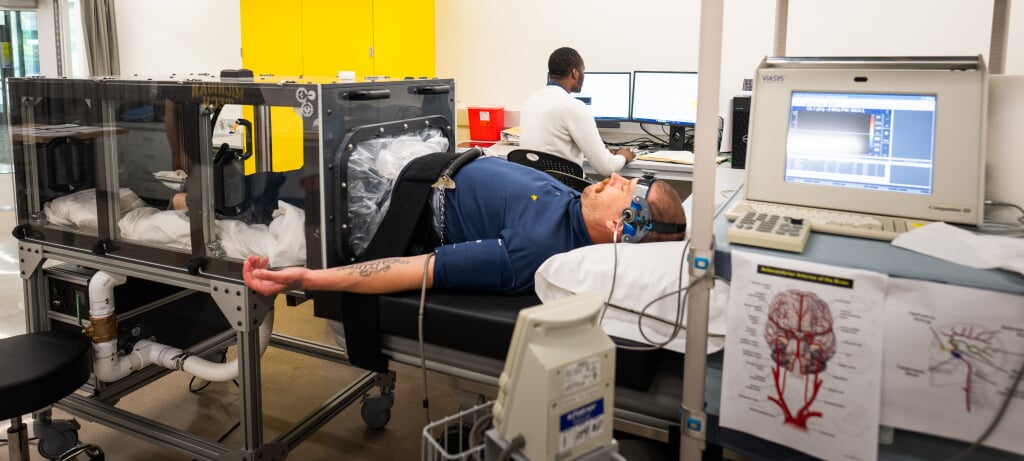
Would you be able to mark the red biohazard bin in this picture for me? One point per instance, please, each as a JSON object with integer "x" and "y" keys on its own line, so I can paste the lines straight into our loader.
{"x": 486, "y": 122}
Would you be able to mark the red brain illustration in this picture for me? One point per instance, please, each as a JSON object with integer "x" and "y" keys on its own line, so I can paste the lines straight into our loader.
{"x": 799, "y": 333}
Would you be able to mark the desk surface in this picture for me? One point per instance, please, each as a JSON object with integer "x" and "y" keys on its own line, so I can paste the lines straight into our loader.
{"x": 873, "y": 255}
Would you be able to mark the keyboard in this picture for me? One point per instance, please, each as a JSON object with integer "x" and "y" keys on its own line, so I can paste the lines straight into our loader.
{"x": 862, "y": 225}
{"x": 770, "y": 231}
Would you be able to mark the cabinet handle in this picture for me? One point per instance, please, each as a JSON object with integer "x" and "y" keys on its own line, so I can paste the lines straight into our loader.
{"x": 430, "y": 89}
{"x": 366, "y": 95}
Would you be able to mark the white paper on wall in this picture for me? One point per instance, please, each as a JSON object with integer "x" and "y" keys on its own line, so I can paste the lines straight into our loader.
{"x": 803, "y": 355}
{"x": 951, "y": 355}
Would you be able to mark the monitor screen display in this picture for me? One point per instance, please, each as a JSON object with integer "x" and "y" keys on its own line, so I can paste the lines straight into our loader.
{"x": 867, "y": 141}
{"x": 665, "y": 97}
{"x": 606, "y": 94}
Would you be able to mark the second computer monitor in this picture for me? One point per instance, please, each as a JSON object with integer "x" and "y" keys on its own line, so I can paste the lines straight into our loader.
{"x": 668, "y": 98}
{"x": 606, "y": 94}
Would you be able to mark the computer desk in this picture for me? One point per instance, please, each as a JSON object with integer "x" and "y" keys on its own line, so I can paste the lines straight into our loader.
{"x": 864, "y": 254}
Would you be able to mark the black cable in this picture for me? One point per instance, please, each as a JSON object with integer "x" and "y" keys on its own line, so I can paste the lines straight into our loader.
{"x": 991, "y": 226}
{"x": 226, "y": 434}
{"x": 656, "y": 138}
{"x": 237, "y": 423}
{"x": 197, "y": 390}
{"x": 681, "y": 302}
{"x": 223, "y": 358}
{"x": 640, "y": 141}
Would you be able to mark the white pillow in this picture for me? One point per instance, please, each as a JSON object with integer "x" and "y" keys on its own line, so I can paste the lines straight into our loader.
{"x": 645, "y": 272}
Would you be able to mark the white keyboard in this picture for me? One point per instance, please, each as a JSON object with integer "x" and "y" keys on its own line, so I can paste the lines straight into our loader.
{"x": 870, "y": 226}
{"x": 770, "y": 231}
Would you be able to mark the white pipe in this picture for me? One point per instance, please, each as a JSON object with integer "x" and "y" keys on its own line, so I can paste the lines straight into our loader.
{"x": 108, "y": 367}
{"x": 101, "y": 293}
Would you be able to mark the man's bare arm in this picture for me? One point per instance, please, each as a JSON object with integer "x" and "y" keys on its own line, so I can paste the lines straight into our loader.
{"x": 387, "y": 275}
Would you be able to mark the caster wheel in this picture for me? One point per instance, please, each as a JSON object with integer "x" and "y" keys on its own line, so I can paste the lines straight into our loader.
{"x": 376, "y": 410}
{"x": 57, "y": 443}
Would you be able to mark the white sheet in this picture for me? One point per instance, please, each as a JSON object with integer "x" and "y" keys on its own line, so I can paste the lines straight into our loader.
{"x": 78, "y": 210}
{"x": 645, "y": 272}
{"x": 956, "y": 245}
{"x": 283, "y": 241}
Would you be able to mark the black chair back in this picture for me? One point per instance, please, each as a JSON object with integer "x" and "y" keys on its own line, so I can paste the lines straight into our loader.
{"x": 566, "y": 171}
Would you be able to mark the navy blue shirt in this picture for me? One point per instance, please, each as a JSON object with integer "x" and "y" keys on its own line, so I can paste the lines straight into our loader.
{"x": 506, "y": 219}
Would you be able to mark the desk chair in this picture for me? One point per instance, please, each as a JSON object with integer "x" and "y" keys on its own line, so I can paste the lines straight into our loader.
{"x": 38, "y": 370}
{"x": 564, "y": 170}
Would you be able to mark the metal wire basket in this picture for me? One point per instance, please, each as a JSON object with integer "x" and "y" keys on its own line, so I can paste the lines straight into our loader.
{"x": 458, "y": 437}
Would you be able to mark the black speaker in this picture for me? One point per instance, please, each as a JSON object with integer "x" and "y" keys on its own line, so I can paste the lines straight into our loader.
{"x": 740, "y": 127}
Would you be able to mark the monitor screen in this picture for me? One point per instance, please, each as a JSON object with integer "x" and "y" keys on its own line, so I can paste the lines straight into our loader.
{"x": 606, "y": 94}
{"x": 665, "y": 97}
{"x": 886, "y": 136}
{"x": 859, "y": 140}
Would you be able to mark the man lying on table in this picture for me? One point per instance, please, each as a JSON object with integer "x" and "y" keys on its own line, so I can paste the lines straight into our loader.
{"x": 500, "y": 223}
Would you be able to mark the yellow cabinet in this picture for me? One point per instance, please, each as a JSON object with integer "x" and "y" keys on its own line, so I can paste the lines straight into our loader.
{"x": 321, "y": 37}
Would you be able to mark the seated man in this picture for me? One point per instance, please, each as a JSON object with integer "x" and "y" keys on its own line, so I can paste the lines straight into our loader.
{"x": 500, "y": 222}
{"x": 553, "y": 121}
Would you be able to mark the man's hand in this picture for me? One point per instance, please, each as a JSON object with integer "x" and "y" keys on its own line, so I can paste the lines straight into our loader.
{"x": 626, "y": 152}
{"x": 267, "y": 282}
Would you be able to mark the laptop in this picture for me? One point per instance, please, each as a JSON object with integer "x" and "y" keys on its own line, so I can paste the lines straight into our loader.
{"x": 896, "y": 137}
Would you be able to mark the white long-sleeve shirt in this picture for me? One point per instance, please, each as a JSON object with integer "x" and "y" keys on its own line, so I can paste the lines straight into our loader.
{"x": 553, "y": 121}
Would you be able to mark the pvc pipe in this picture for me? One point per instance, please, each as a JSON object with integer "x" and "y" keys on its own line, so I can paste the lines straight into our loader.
{"x": 108, "y": 367}
{"x": 101, "y": 293}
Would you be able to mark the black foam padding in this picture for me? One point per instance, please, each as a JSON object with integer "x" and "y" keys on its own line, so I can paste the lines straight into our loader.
{"x": 482, "y": 324}
{"x": 478, "y": 323}
{"x": 40, "y": 369}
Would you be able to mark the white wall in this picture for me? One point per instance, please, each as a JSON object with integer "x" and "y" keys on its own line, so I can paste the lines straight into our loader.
{"x": 497, "y": 51}
{"x": 47, "y": 39}
{"x": 184, "y": 36}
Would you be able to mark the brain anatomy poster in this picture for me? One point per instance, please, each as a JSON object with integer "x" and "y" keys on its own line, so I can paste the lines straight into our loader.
{"x": 803, "y": 355}
{"x": 952, "y": 355}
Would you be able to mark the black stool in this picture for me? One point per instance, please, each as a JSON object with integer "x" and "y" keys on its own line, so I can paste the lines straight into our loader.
{"x": 38, "y": 370}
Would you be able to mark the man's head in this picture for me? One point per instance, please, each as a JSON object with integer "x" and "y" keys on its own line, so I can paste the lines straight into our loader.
{"x": 603, "y": 204}
{"x": 565, "y": 67}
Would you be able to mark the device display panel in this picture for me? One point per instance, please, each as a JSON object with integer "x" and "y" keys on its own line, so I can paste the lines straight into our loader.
{"x": 871, "y": 141}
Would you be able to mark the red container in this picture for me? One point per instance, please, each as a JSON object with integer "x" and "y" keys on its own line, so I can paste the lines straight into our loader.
{"x": 486, "y": 123}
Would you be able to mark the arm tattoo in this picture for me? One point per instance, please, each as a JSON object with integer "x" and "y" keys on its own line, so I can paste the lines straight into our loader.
{"x": 294, "y": 285}
{"x": 371, "y": 268}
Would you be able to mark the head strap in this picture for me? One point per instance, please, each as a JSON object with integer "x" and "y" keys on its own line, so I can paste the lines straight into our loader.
{"x": 636, "y": 220}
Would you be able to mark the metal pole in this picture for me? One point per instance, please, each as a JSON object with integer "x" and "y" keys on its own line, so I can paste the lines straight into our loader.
{"x": 1000, "y": 31}
{"x": 781, "y": 26}
{"x": 58, "y": 34}
{"x": 702, "y": 245}
{"x": 262, "y": 137}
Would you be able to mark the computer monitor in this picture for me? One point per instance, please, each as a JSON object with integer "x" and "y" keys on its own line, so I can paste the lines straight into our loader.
{"x": 667, "y": 98}
{"x": 606, "y": 94}
{"x": 900, "y": 137}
